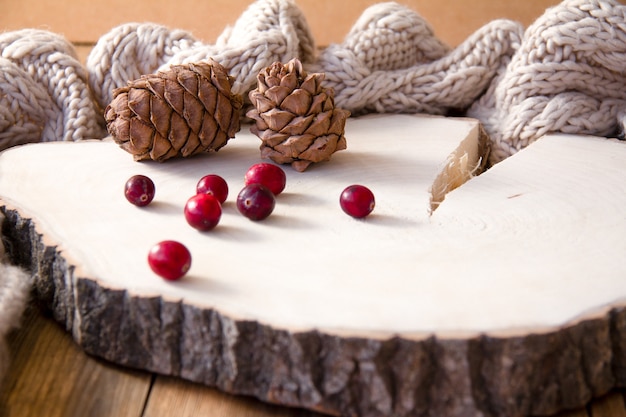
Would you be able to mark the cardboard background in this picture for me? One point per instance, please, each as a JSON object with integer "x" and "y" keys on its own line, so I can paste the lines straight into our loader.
{"x": 83, "y": 22}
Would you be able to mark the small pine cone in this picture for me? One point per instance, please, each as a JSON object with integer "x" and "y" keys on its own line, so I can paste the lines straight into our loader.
{"x": 295, "y": 117}
{"x": 183, "y": 111}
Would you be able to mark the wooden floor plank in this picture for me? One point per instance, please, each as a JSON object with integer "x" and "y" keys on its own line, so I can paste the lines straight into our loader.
{"x": 51, "y": 376}
{"x": 609, "y": 406}
{"x": 176, "y": 398}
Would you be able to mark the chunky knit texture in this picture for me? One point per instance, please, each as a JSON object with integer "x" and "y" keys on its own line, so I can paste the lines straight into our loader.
{"x": 14, "y": 290}
{"x": 566, "y": 76}
{"x": 563, "y": 74}
{"x": 43, "y": 90}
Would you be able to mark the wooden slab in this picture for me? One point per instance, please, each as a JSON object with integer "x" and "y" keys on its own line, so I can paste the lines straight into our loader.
{"x": 508, "y": 300}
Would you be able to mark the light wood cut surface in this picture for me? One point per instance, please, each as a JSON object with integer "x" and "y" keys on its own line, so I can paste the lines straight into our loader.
{"x": 305, "y": 248}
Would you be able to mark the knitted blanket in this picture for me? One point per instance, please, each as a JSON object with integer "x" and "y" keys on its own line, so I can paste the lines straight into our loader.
{"x": 564, "y": 73}
{"x": 14, "y": 289}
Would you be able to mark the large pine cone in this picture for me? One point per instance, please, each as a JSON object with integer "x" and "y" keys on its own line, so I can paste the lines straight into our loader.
{"x": 183, "y": 111}
{"x": 295, "y": 117}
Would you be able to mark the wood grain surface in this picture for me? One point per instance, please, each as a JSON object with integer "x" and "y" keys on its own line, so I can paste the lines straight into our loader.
{"x": 51, "y": 376}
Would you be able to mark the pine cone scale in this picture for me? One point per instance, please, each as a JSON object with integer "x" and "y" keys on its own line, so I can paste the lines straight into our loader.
{"x": 183, "y": 111}
{"x": 208, "y": 97}
{"x": 290, "y": 81}
{"x": 320, "y": 124}
{"x": 321, "y": 149}
{"x": 223, "y": 112}
{"x": 142, "y": 136}
{"x": 138, "y": 104}
{"x": 179, "y": 131}
{"x": 267, "y": 152}
{"x": 295, "y": 117}
{"x": 208, "y": 131}
{"x": 298, "y": 102}
{"x": 160, "y": 148}
{"x": 160, "y": 115}
{"x": 312, "y": 84}
{"x": 202, "y": 69}
{"x": 295, "y": 145}
{"x": 271, "y": 138}
{"x": 118, "y": 108}
{"x": 189, "y": 81}
{"x": 222, "y": 81}
{"x": 190, "y": 146}
{"x": 261, "y": 102}
{"x": 174, "y": 96}
{"x": 193, "y": 112}
{"x": 277, "y": 94}
{"x": 155, "y": 85}
{"x": 121, "y": 130}
{"x": 277, "y": 119}
{"x": 338, "y": 122}
{"x": 220, "y": 139}
{"x": 298, "y": 125}
{"x": 317, "y": 106}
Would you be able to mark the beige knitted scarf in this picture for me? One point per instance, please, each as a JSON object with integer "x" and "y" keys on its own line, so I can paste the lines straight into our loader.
{"x": 14, "y": 289}
{"x": 564, "y": 73}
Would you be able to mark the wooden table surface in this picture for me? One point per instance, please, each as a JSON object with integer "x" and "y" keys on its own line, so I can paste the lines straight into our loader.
{"x": 51, "y": 376}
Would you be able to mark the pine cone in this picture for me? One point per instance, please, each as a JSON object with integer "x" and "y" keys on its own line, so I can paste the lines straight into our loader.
{"x": 183, "y": 111}
{"x": 295, "y": 117}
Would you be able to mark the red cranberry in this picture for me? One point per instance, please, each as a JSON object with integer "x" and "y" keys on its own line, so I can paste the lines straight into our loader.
{"x": 270, "y": 175}
{"x": 169, "y": 259}
{"x": 357, "y": 201}
{"x": 203, "y": 211}
{"x": 215, "y": 185}
{"x": 256, "y": 202}
{"x": 139, "y": 190}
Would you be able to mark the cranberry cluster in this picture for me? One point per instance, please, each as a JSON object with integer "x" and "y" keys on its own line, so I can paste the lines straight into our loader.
{"x": 262, "y": 183}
